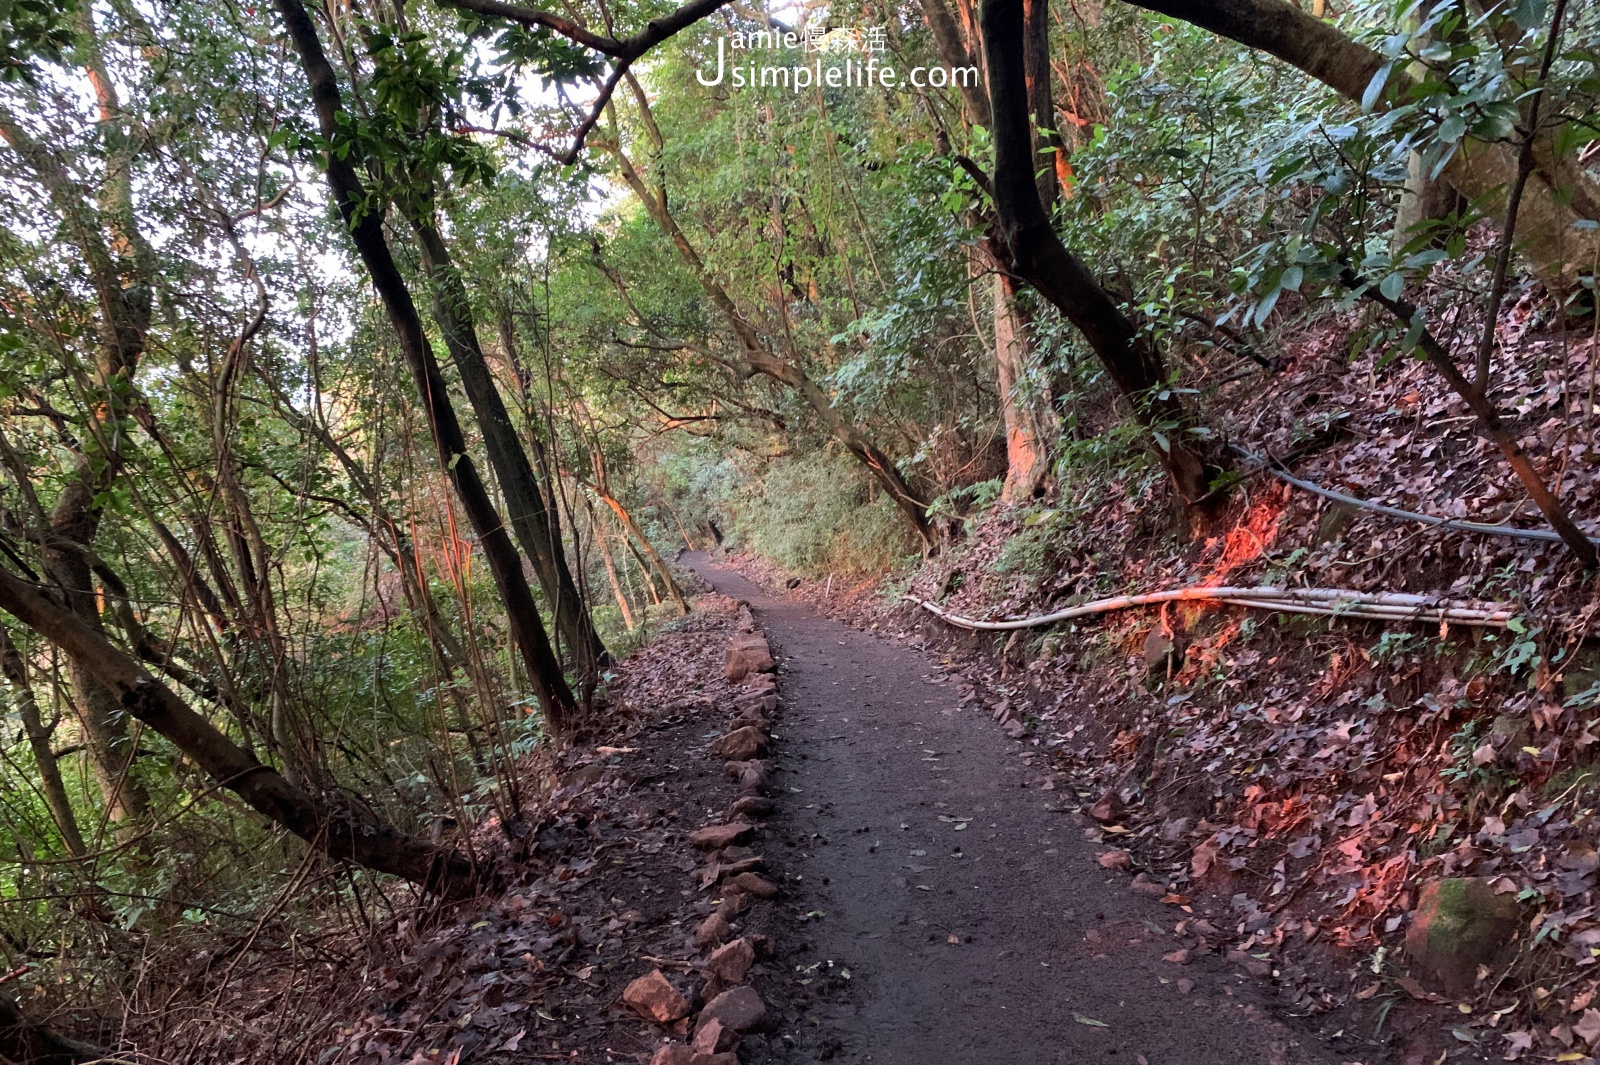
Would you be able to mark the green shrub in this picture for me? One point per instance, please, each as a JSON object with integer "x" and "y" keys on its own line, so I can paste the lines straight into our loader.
{"x": 819, "y": 514}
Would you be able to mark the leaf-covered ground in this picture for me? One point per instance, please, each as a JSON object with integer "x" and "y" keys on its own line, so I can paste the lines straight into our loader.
{"x": 1305, "y": 775}
{"x": 604, "y": 888}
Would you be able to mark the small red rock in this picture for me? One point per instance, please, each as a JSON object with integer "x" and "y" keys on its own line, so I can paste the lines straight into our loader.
{"x": 1115, "y": 860}
{"x": 716, "y": 837}
{"x": 712, "y": 930}
{"x": 761, "y": 682}
{"x": 673, "y": 1054}
{"x": 740, "y": 1009}
{"x": 754, "y": 884}
{"x": 715, "y": 1059}
{"x": 1143, "y": 885}
{"x": 756, "y": 702}
{"x": 1108, "y": 809}
{"x": 748, "y": 653}
{"x": 656, "y": 999}
{"x": 741, "y": 744}
{"x": 713, "y": 1036}
{"x": 751, "y": 806}
{"x": 1185, "y": 986}
{"x": 1253, "y": 966}
{"x": 753, "y": 778}
{"x": 1177, "y": 957}
{"x": 730, "y": 963}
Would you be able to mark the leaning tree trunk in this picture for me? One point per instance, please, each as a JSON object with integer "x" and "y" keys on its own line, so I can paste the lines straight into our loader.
{"x": 631, "y": 528}
{"x": 1035, "y": 254}
{"x": 365, "y": 226}
{"x": 604, "y": 544}
{"x": 374, "y": 845}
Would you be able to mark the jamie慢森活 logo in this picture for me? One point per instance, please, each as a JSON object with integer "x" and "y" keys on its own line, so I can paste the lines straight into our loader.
{"x": 839, "y": 58}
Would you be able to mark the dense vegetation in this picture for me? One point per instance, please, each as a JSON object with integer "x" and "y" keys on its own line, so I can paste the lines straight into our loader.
{"x": 360, "y": 363}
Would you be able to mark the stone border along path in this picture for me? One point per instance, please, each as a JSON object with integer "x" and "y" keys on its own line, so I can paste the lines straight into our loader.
{"x": 732, "y": 1008}
{"x": 968, "y": 910}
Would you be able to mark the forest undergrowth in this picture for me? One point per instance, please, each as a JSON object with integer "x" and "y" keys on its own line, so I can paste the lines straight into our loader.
{"x": 596, "y": 885}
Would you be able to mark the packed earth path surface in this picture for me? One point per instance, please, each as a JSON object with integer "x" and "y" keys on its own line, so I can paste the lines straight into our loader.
{"x": 966, "y": 902}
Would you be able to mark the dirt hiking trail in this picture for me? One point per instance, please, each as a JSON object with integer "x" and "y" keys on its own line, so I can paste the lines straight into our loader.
{"x": 964, "y": 901}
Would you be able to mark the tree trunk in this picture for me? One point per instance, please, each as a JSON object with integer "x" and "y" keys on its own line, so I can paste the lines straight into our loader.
{"x": 1036, "y": 255}
{"x": 1049, "y": 154}
{"x": 1029, "y": 425}
{"x": 26, "y": 1043}
{"x": 611, "y": 567}
{"x": 954, "y": 53}
{"x": 39, "y": 736}
{"x": 373, "y": 845}
{"x": 1562, "y": 197}
{"x": 530, "y": 512}
{"x": 366, "y": 233}
{"x": 120, "y": 269}
{"x": 656, "y": 562}
{"x": 1479, "y": 402}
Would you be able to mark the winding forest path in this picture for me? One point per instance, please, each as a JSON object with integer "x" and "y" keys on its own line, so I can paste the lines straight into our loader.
{"x": 970, "y": 911}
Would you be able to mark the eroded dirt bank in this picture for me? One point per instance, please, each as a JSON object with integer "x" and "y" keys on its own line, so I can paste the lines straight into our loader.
{"x": 949, "y": 909}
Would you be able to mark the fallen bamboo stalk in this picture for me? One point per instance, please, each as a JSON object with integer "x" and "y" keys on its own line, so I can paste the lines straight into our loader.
{"x": 1336, "y": 602}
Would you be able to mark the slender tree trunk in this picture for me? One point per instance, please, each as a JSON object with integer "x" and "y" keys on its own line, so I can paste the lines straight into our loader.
{"x": 1048, "y": 151}
{"x": 39, "y": 736}
{"x": 954, "y": 53}
{"x": 601, "y": 542}
{"x": 645, "y": 578}
{"x": 530, "y": 512}
{"x": 1029, "y": 424}
{"x": 373, "y": 845}
{"x": 656, "y": 562}
{"x": 366, "y": 233}
{"x": 1035, "y": 254}
{"x": 1478, "y": 401}
{"x": 120, "y": 269}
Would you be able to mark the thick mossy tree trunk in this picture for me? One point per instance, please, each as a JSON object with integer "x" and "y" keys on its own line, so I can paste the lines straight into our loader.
{"x": 365, "y": 226}
{"x": 1548, "y": 221}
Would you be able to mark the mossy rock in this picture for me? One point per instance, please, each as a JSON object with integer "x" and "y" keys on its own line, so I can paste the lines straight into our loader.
{"x": 1581, "y": 674}
{"x": 1461, "y": 923}
{"x": 1335, "y": 521}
